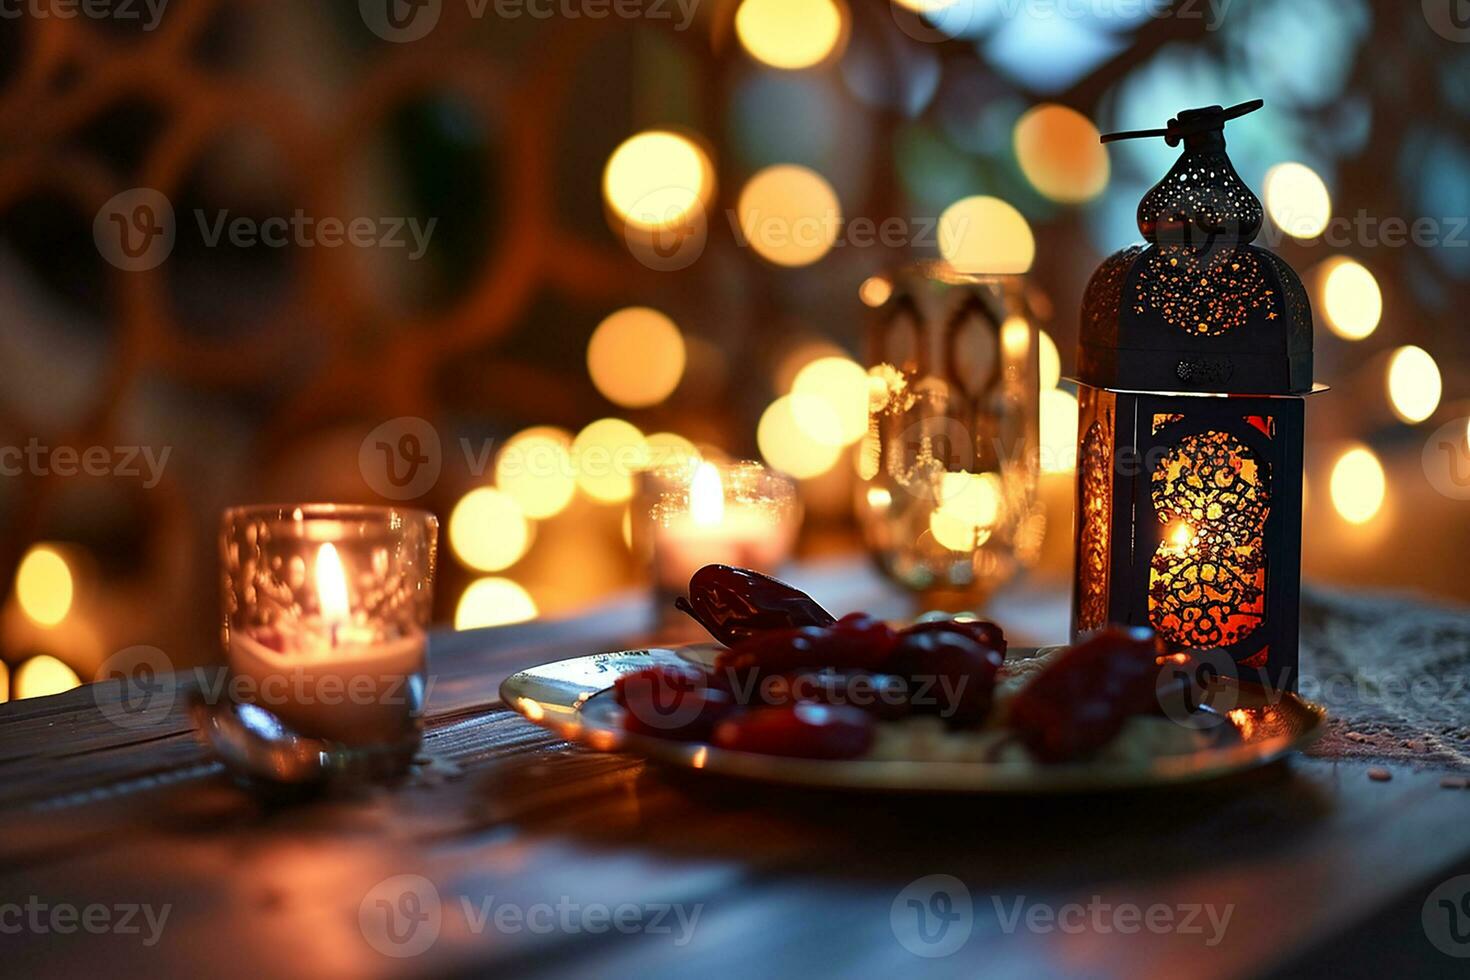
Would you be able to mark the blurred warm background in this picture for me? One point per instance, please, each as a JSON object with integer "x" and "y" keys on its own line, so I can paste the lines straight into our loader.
{"x": 546, "y": 309}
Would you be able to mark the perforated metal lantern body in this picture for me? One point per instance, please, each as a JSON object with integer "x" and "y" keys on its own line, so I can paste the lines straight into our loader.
{"x": 1196, "y": 350}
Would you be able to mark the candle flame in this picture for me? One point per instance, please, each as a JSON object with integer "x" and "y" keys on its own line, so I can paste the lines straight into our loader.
{"x": 331, "y": 585}
{"x": 1182, "y": 536}
{"x": 707, "y": 496}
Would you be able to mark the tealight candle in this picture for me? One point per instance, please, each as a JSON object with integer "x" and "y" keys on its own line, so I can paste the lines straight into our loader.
{"x": 326, "y": 609}
{"x": 742, "y": 515}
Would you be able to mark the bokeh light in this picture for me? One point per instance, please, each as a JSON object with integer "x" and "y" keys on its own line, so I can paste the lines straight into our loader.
{"x": 488, "y": 531}
{"x": 1352, "y": 303}
{"x": 1414, "y": 384}
{"x": 4, "y": 683}
{"x": 42, "y": 676}
{"x": 493, "y": 602}
{"x": 1060, "y": 153}
{"x": 1051, "y": 361}
{"x": 658, "y": 179}
{"x": 875, "y": 291}
{"x": 607, "y": 455}
{"x": 789, "y": 34}
{"x": 969, "y": 506}
{"x": 840, "y": 383}
{"x": 790, "y": 215}
{"x": 535, "y": 469}
{"x": 636, "y": 357}
{"x": 1058, "y": 431}
{"x": 1358, "y": 485}
{"x": 784, "y": 440}
{"x": 1297, "y": 200}
{"x": 43, "y": 586}
{"x": 669, "y": 450}
{"x": 986, "y": 235}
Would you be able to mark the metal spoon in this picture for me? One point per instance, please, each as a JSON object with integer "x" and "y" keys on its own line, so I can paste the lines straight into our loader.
{"x": 256, "y": 745}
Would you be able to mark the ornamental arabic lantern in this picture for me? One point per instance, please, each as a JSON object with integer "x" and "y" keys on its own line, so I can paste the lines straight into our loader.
{"x": 1196, "y": 351}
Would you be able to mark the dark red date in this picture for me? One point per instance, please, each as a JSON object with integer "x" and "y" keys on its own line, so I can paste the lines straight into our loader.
{"x": 1081, "y": 701}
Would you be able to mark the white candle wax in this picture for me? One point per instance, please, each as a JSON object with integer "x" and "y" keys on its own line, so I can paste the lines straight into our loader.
{"x": 354, "y": 692}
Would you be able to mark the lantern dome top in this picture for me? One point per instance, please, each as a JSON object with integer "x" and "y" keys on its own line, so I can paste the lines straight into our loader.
{"x": 1199, "y": 308}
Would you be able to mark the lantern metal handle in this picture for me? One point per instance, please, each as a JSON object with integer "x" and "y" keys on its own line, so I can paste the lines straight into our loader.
{"x": 1189, "y": 122}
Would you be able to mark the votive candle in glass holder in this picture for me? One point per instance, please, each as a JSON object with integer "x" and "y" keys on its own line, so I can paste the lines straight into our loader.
{"x": 326, "y": 613}
{"x": 709, "y": 513}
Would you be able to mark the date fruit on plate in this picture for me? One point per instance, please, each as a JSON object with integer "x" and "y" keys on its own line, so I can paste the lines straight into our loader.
{"x": 736, "y": 603}
{"x": 1080, "y": 703}
{"x": 671, "y": 701}
{"x": 949, "y": 673}
{"x": 884, "y": 696}
{"x": 986, "y": 633}
{"x": 856, "y": 641}
{"x": 803, "y": 730}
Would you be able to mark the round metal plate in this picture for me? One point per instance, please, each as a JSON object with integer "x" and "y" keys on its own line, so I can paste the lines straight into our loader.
{"x": 574, "y": 698}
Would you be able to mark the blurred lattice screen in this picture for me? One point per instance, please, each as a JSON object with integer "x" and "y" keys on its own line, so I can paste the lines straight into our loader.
{"x": 260, "y": 370}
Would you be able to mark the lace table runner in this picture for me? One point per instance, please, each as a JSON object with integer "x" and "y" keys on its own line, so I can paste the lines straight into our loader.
{"x": 1393, "y": 672}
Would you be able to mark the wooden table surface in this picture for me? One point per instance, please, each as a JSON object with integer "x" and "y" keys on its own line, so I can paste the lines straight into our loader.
{"x": 549, "y": 860}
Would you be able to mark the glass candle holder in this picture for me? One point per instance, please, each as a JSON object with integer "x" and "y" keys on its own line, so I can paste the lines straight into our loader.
{"x": 948, "y": 498}
{"x": 701, "y": 513}
{"x": 326, "y": 612}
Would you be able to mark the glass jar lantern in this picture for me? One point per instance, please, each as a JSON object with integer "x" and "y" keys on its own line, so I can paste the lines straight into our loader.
{"x": 947, "y": 499}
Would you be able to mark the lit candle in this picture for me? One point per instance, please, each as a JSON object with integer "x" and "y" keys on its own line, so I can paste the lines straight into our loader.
{"x": 755, "y": 530}
{"x": 334, "y": 675}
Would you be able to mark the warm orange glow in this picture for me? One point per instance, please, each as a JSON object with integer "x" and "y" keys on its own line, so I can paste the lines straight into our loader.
{"x": 875, "y": 291}
{"x": 1051, "y": 361}
{"x": 789, "y": 34}
{"x": 488, "y": 531}
{"x": 42, "y": 676}
{"x": 1207, "y": 579}
{"x": 842, "y": 385}
{"x": 1297, "y": 200}
{"x": 1181, "y": 536}
{"x": 1060, "y": 154}
{"x": 1414, "y": 384}
{"x": 493, "y": 602}
{"x": 969, "y": 506}
{"x": 331, "y": 585}
{"x": 535, "y": 469}
{"x": 636, "y": 357}
{"x": 1352, "y": 303}
{"x": 43, "y": 586}
{"x": 657, "y": 180}
{"x": 1358, "y": 485}
{"x": 4, "y": 683}
{"x": 1058, "y": 431}
{"x": 985, "y": 235}
{"x": 607, "y": 455}
{"x": 707, "y": 497}
{"x": 790, "y": 215}
{"x": 669, "y": 450}
{"x": 785, "y": 442}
